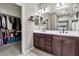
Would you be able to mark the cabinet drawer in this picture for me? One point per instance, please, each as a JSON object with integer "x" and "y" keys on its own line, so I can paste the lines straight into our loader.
{"x": 48, "y": 44}
{"x": 48, "y": 49}
{"x": 48, "y": 39}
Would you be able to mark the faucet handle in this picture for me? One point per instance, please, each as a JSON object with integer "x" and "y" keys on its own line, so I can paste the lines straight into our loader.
{"x": 60, "y": 32}
{"x": 66, "y": 32}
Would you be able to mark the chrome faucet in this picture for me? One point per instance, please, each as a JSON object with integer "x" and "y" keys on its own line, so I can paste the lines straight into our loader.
{"x": 63, "y": 30}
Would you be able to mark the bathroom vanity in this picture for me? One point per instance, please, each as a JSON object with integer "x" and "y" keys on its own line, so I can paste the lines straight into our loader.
{"x": 57, "y": 43}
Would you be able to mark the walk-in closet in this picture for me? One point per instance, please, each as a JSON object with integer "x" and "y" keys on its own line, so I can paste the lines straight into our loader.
{"x": 10, "y": 29}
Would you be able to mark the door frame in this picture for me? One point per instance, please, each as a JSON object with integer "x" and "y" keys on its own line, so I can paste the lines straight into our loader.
{"x": 22, "y": 28}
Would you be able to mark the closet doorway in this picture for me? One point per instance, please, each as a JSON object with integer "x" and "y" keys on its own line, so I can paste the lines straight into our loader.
{"x": 10, "y": 29}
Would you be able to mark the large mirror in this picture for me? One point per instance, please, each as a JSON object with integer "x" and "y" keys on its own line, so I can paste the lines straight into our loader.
{"x": 67, "y": 17}
{"x": 58, "y": 16}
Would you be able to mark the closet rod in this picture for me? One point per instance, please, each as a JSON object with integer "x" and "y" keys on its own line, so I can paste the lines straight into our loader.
{"x": 9, "y": 15}
{"x": 4, "y": 30}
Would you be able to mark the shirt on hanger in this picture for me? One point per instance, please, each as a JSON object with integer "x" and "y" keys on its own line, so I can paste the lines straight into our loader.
{"x": 3, "y": 22}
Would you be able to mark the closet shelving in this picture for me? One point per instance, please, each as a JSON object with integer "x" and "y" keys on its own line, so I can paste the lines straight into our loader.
{"x": 10, "y": 29}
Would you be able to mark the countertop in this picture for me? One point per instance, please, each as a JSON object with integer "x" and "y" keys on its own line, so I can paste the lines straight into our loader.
{"x": 56, "y": 32}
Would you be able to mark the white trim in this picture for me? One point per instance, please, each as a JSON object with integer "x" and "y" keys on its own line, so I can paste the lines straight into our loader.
{"x": 19, "y": 4}
{"x": 22, "y": 20}
{"x": 28, "y": 50}
{"x": 23, "y": 30}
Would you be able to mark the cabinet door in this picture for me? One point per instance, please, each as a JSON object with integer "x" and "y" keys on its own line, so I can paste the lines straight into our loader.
{"x": 48, "y": 43}
{"x": 35, "y": 42}
{"x": 56, "y": 46}
{"x": 41, "y": 42}
{"x": 68, "y": 47}
{"x": 77, "y": 46}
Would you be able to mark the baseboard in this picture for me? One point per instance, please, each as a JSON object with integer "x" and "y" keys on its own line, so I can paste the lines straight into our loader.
{"x": 28, "y": 50}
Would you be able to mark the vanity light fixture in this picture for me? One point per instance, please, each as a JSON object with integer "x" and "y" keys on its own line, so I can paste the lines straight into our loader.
{"x": 44, "y": 10}
{"x": 60, "y": 4}
{"x": 61, "y": 7}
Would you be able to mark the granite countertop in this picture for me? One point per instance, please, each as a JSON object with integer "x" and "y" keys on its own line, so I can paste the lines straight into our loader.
{"x": 56, "y": 32}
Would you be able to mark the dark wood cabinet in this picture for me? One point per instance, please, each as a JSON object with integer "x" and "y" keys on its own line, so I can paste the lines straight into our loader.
{"x": 48, "y": 43}
{"x": 41, "y": 40}
{"x": 57, "y": 44}
{"x": 76, "y": 46}
{"x": 35, "y": 40}
{"x": 68, "y": 46}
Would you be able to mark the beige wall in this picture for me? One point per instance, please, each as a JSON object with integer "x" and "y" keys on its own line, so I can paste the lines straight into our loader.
{"x": 11, "y": 9}
{"x": 28, "y": 10}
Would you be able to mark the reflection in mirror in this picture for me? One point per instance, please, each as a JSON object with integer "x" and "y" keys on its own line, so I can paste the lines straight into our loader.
{"x": 58, "y": 16}
{"x": 36, "y": 21}
{"x": 67, "y": 17}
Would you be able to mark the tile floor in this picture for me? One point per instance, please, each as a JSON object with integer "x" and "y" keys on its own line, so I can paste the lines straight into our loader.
{"x": 15, "y": 50}
{"x": 11, "y": 50}
{"x": 36, "y": 52}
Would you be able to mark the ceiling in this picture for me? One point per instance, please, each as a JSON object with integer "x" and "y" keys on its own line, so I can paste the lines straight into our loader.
{"x": 68, "y": 8}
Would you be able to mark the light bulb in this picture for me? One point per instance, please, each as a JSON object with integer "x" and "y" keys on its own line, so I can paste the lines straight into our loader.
{"x": 58, "y": 4}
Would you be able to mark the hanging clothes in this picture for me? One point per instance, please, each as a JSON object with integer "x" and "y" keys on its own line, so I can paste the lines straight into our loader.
{"x": 0, "y": 39}
{"x": 16, "y": 24}
{"x": 6, "y": 37}
{"x": 4, "y": 22}
{"x": 3, "y": 37}
{"x": 19, "y": 24}
{"x": 9, "y": 24}
{"x": 0, "y": 22}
